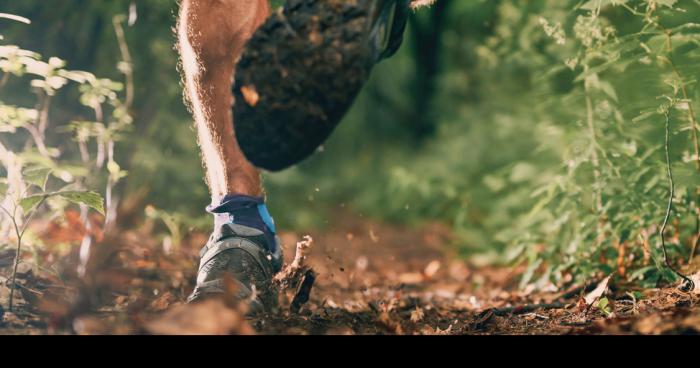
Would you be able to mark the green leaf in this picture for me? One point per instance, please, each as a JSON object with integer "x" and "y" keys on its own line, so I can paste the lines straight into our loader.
{"x": 608, "y": 89}
{"x": 30, "y": 202}
{"x": 37, "y": 176}
{"x": 604, "y": 306}
{"x": 91, "y": 199}
{"x": 667, "y": 3}
{"x": 686, "y": 175}
{"x": 3, "y": 188}
{"x": 594, "y": 4}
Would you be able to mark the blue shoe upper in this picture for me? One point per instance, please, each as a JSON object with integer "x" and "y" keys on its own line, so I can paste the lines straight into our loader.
{"x": 251, "y": 212}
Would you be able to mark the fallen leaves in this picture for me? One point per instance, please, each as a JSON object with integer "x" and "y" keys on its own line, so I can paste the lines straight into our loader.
{"x": 211, "y": 317}
{"x": 658, "y": 324}
{"x": 397, "y": 287}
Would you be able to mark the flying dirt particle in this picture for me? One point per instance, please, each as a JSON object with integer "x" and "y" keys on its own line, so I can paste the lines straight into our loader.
{"x": 432, "y": 269}
{"x": 458, "y": 271}
{"x": 361, "y": 263}
{"x": 373, "y": 236}
{"x": 315, "y": 38}
{"x": 250, "y": 94}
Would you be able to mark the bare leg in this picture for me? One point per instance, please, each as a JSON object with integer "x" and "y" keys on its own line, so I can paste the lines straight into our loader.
{"x": 211, "y": 37}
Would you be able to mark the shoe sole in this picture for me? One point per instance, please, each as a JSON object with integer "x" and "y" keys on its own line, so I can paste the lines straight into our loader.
{"x": 303, "y": 69}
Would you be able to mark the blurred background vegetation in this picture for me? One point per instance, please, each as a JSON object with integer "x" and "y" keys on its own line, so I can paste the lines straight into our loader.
{"x": 535, "y": 129}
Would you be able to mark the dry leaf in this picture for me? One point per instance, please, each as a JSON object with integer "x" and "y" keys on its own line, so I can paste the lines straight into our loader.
{"x": 447, "y": 331}
{"x": 417, "y": 315}
{"x": 598, "y": 292}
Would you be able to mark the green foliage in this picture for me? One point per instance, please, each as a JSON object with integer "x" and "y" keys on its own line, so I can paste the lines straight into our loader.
{"x": 38, "y": 168}
{"x": 29, "y": 162}
{"x": 566, "y": 169}
{"x": 91, "y": 199}
{"x": 548, "y": 148}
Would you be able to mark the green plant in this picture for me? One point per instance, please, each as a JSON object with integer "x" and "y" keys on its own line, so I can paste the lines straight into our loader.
{"x": 37, "y": 172}
{"x": 561, "y": 163}
{"x": 610, "y": 199}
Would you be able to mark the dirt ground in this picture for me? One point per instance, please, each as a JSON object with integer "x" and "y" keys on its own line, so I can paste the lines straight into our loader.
{"x": 371, "y": 279}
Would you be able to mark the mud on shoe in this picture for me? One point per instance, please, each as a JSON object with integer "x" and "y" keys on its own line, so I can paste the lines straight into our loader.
{"x": 302, "y": 70}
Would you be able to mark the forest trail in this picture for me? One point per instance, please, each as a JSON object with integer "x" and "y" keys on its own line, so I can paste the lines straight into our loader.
{"x": 372, "y": 279}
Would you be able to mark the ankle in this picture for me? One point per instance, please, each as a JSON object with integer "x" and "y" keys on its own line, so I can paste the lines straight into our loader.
{"x": 247, "y": 211}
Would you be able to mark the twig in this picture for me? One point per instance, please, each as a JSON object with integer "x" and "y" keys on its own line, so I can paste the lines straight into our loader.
{"x": 691, "y": 117}
{"x": 528, "y": 308}
{"x": 20, "y": 234}
{"x": 128, "y": 70}
{"x": 304, "y": 291}
{"x": 689, "y": 284}
{"x": 126, "y": 56}
{"x": 696, "y": 242}
{"x": 298, "y": 275}
{"x": 5, "y": 78}
{"x": 44, "y": 114}
{"x": 595, "y": 162}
